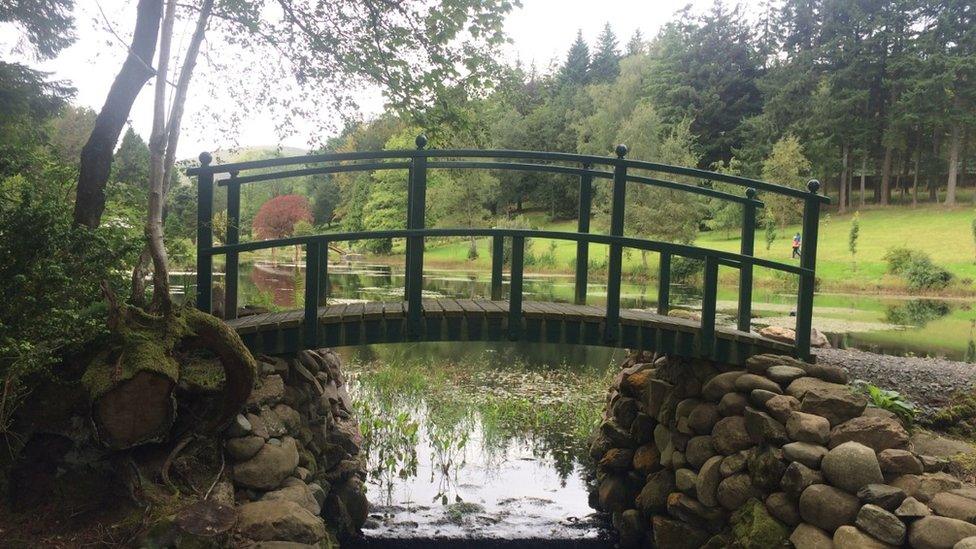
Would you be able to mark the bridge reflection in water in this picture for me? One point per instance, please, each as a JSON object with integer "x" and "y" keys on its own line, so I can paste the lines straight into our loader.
{"x": 506, "y": 317}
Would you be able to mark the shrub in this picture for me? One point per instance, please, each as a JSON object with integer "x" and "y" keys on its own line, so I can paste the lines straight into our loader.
{"x": 917, "y": 268}
{"x": 922, "y": 274}
{"x": 518, "y": 222}
{"x": 51, "y": 301}
{"x": 684, "y": 269}
{"x": 899, "y": 258}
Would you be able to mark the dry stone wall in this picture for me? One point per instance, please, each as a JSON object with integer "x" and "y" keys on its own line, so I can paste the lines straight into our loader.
{"x": 296, "y": 468}
{"x": 694, "y": 453}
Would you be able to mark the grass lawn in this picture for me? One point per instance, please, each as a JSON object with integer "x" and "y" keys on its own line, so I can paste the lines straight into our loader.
{"x": 945, "y": 234}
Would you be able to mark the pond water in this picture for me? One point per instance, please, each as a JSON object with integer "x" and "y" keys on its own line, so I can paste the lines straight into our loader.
{"x": 480, "y": 441}
{"x": 890, "y": 325}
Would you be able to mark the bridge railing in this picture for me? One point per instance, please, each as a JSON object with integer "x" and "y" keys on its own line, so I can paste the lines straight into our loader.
{"x": 588, "y": 168}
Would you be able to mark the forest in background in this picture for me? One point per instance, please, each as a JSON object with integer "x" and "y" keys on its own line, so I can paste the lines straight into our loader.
{"x": 874, "y": 98}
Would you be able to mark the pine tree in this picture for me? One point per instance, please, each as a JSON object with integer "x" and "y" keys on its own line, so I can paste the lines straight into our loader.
{"x": 605, "y": 66}
{"x": 575, "y": 72}
{"x": 131, "y": 164}
{"x": 636, "y": 46}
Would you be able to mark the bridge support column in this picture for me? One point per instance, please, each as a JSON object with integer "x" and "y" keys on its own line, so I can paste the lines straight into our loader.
{"x": 416, "y": 208}
{"x": 808, "y": 260}
{"x": 233, "y": 237}
{"x": 583, "y": 226}
{"x": 205, "y": 236}
{"x": 746, "y": 248}
{"x": 615, "y": 263}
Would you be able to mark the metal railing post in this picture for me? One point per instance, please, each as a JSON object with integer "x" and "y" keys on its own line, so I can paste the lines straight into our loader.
{"x": 415, "y": 244}
{"x": 747, "y": 248}
{"x": 311, "y": 323}
{"x": 497, "y": 266}
{"x": 615, "y": 264}
{"x": 664, "y": 284}
{"x": 583, "y": 226}
{"x": 323, "y": 272}
{"x": 515, "y": 289}
{"x": 233, "y": 237}
{"x": 808, "y": 260}
{"x": 205, "y": 236}
{"x": 709, "y": 298}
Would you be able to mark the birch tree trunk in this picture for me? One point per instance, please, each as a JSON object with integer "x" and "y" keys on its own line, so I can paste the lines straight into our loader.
{"x": 162, "y": 146}
{"x": 157, "y": 153}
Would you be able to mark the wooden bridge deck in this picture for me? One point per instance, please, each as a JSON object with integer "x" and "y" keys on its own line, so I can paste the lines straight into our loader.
{"x": 486, "y": 320}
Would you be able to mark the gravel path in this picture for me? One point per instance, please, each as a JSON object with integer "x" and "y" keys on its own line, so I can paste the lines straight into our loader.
{"x": 927, "y": 382}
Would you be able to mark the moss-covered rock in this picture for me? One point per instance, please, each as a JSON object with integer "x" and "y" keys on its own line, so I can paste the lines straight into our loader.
{"x": 754, "y": 528}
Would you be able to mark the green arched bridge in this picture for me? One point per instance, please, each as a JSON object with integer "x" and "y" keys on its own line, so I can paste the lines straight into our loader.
{"x": 498, "y": 316}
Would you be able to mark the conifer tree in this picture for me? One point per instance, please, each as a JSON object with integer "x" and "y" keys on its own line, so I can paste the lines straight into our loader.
{"x": 606, "y": 60}
{"x": 636, "y": 46}
{"x": 575, "y": 72}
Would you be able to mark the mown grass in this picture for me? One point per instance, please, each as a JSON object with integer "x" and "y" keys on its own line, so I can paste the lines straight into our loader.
{"x": 945, "y": 234}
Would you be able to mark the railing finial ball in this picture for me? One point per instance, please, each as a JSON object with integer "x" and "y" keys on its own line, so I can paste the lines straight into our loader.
{"x": 750, "y": 193}
{"x": 621, "y": 150}
{"x": 205, "y": 158}
{"x": 421, "y": 141}
{"x": 813, "y": 186}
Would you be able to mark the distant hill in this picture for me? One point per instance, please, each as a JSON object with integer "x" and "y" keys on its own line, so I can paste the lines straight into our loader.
{"x": 259, "y": 152}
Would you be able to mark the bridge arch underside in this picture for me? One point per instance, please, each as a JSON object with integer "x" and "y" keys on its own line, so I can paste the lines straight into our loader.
{"x": 488, "y": 320}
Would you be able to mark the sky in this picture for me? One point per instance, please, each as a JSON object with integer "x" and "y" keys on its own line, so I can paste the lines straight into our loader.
{"x": 540, "y": 33}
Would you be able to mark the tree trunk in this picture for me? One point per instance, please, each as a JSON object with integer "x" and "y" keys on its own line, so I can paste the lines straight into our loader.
{"x": 864, "y": 174}
{"x": 918, "y": 164}
{"x": 954, "y": 146}
{"x": 886, "y": 176}
{"x": 157, "y": 167}
{"x": 167, "y": 141}
{"x": 96, "y": 156}
{"x": 132, "y": 387}
{"x": 842, "y": 188}
{"x": 933, "y": 180}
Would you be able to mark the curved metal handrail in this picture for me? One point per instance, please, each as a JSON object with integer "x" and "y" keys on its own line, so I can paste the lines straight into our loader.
{"x": 508, "y": 166}
{"x": 618, "y": 170}
{"x": 495, "y": 153}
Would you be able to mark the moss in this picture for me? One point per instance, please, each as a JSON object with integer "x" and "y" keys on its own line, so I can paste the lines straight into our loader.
{"x": 754, "y": 528}
{"x": 200, "y": 373}
{"x": 958, "y": 418}
{"x": 457, "y": 511}
{"x": 142, "y": 342}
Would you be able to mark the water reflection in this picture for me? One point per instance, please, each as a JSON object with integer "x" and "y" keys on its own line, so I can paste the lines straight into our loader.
{"x": 462, "y": 438}
{"x": 917, "y": 312}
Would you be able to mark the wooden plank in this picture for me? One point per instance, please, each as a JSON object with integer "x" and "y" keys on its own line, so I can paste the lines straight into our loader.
{"x": 432, "y": 307}
{"x": 569, "y": 311}
{"x": 393, "y": 310}
{"x": 533, "y": 309}
{"x": 373, "y": 311}
{"x": 493, "y": 308}
{"x": 451, "y": 307}
{"x": 333, "y": 313}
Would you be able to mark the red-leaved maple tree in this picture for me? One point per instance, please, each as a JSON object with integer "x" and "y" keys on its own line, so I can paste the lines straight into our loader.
{"x": 277, "y": 217}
